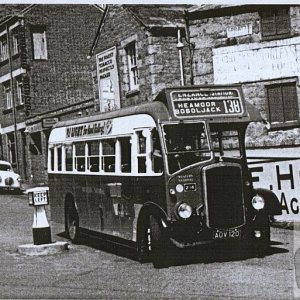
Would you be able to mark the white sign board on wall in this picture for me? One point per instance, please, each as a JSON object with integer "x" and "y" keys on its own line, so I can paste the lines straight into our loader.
{"x": 237, "y": 31}
{"x": 279, "y": 171}
{"x": 257, "y": 61}
{"x": 108, "y": 80}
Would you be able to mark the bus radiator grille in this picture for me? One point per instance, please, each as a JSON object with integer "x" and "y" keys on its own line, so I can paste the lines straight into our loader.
{"x": 224, "y": 196}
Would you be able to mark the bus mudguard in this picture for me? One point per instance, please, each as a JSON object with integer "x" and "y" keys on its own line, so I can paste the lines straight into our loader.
{"x": 272, "y": 204}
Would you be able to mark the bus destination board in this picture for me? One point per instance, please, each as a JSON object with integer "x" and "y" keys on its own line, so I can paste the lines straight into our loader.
{"x": 206, "y": 103}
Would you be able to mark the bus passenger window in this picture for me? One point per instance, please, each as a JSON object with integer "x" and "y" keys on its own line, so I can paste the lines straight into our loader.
{"x": 80, "y": 157}
{"x": 156, "y": 152}
{"x": 59, "y": 159}
{"x": 69, "y": 157}
{"x": 108, "y": 156}
{"x": 52, "y": 159}
{"x": 125, "y": 154}
{"x": 142, "y": 168}
{"x": 93, "y": 156}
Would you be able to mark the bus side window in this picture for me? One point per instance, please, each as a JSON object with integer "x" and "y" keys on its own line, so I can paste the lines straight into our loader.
{"x": 93, "y": 156}
{"x": 141, "y": 152}
{"x": 80, "y": 156}
{"x": 59, "y": 158}
{"x": 157, "y": 161}
{"x": 108, "y": 155}
{"x": 69, "y": 157}
{"x": 52, "y": 159}
{"x": 125, "y": 143}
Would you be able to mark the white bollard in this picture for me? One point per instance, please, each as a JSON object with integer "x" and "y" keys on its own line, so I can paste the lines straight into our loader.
{"x": 38, "y": 198}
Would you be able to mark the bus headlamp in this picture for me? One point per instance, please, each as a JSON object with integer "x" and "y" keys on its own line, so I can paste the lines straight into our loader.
{"x": 184, "y": 210}
{"x": 258, "y": 202}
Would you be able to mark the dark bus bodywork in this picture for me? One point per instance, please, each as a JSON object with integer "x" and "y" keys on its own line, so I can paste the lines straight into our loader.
{"x": 200, "y": 193}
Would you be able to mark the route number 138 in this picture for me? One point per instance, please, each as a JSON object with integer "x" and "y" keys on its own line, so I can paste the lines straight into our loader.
{"x": 232, "y": 106}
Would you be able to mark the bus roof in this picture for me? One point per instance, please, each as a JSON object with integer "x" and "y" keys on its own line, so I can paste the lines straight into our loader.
{"x": 157, "y": 110}
{"x": 189, "y": 102}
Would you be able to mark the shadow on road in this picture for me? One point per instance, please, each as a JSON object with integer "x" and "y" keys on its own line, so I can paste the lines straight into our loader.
{"x": 179, "y": 257}
{"x": 98, "y": 243}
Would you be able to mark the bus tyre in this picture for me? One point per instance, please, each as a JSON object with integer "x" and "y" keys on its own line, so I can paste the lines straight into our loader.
{"x": 262, "y": 245}
{"x": 144, "y": 238}
{"x": 159, "y": 244}
{"x": 72, "y": 223}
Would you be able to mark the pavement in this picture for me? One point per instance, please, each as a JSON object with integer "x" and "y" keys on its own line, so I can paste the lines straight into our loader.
{"x": 94, "y": 270}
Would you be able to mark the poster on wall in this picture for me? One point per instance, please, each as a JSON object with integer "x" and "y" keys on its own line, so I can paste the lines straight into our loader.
{"x": 108, "y": 81}
{"x": 278, "y": 171}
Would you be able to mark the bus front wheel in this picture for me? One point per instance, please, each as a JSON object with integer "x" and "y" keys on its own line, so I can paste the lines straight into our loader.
{"x": 72, "y": 223}
{"x": 159, "y": 244}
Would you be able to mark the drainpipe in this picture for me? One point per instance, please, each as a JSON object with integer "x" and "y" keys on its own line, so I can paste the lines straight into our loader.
{"x": 180, "y": 46}
{"x": 12, "y": 95}
{"x": 190, "y": 45}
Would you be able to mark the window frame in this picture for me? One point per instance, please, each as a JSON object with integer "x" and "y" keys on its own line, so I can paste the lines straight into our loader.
{"x": 43, "y": 48}
{"x": 277, "y": 21}
{"x": 15, "y": 42}
{"x": 285, "y": 123}
{"x": 20, "y": 91}
{"x": 131, "y": 58}
{"x": 3, "y": 48}
{"x": 8, "y": 94}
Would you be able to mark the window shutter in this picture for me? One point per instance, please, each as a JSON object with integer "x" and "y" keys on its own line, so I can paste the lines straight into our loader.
{"x": 268, "y": 24}
{"x": 275, "y": 104}
{"x": 282, "y": 21}
{"x": 289, "y": 95}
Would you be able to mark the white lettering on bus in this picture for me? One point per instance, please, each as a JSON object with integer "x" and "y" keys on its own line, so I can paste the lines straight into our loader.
{"x": 196, "y": 104}
{"x": 101, "y": 127}
{"x": 189, "y": 111}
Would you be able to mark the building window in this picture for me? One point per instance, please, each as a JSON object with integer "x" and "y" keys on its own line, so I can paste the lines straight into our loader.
{"x": 275, "y": 22}
{"x": 11, "y": 151}
{"x": 20, "y": 91}
{"x": 15, "y": 43}
{"x": 8, "y": 94}
{"x": 282, "y": 103}
{"x": 3, "y": 48}
{"x": 39, "y": 43}
{"x": 132, "y": 66}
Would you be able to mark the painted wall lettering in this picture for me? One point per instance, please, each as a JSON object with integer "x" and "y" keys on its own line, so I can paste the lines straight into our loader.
{"x": 282, "y": 176}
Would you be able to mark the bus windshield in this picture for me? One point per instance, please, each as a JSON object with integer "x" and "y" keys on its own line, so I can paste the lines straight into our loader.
{"x": 226, "y": 143}
{"x": 186, "y": 144}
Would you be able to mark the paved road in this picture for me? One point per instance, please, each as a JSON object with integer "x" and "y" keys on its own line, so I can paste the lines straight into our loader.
{"x": 92, "y": 272}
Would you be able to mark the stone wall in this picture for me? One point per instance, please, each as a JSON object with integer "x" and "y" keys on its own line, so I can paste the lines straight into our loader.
{"x": 211, "y": 37}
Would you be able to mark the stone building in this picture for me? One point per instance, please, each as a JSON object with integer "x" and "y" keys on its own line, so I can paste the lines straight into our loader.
{"x": 138, "y": 52}
{"x": 45, "y": 76}
{"x": 257, "y": 46}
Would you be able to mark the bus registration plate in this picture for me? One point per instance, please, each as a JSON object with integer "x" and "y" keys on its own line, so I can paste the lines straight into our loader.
{"x": 226, "y": 234}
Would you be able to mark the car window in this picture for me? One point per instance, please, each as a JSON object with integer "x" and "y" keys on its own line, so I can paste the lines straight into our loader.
{"x": 4, "y": 167}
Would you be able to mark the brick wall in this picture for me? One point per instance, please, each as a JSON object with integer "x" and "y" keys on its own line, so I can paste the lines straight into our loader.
{"x": 158, "y": 60}
{"x": 65, "y": 77}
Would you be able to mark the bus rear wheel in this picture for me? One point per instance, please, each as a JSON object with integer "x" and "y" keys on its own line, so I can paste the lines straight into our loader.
{"x": 72, "y": 223}
{"x": 159, "y": 244}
